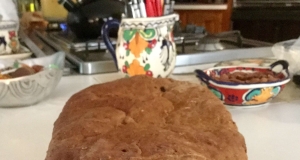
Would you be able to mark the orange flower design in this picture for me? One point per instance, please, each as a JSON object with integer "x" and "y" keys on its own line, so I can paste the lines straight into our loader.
{"x": 135, "y": 68}
{"x": 137, "y": 45}
{"x": 266, "y": 94}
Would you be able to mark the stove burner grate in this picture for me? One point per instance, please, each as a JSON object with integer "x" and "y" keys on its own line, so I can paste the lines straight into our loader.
{"x": 91, "y": 56}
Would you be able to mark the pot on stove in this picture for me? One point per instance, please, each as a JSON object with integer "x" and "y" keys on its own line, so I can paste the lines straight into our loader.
{"x": 86, "y": 17}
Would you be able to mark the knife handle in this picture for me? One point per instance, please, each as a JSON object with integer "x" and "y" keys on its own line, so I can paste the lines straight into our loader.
{"x": 150, "y": 8}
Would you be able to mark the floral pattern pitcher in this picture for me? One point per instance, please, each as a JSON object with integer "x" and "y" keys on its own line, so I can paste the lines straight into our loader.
{"x": 145, "y": 46}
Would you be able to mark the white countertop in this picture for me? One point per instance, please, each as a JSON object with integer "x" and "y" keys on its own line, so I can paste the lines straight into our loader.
{"x": 200, "y": 6}
{"x": 271, "y": 132}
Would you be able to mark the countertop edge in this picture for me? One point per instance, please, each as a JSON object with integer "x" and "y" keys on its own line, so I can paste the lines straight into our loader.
{"x": 200, "y": 7}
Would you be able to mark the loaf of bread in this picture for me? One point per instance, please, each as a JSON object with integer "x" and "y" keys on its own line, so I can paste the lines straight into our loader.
{"x": 143, "y": 118}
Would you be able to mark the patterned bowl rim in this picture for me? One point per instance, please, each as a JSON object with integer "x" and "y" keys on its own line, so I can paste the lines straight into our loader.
{"x": 244, "y": 86}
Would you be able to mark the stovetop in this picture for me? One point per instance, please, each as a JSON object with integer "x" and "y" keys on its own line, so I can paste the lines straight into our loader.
{"x": 91, "y": 56}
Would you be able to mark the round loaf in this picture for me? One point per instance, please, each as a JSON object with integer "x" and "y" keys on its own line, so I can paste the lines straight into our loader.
{"x": 143, "y": 118}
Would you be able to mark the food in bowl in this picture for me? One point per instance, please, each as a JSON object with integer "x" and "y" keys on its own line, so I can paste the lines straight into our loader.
{"x": 23, "y": 70}
{"x": 248, "y": 78}
{"x": 30, "y": 89}
{"x": 145, "y": 118}
{"x": 4, "y": 76}
{"x": 243, "y": 93}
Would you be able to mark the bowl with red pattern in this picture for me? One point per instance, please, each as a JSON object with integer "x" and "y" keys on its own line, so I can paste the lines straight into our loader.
{"x": 245, "y": 86}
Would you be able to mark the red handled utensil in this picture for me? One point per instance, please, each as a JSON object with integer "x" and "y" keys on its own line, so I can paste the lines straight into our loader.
{"x": 158, "y": 8}
{"x": 150, "y": 8}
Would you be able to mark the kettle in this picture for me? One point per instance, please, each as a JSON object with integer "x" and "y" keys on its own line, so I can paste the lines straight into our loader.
{"x": 86, "y": 17}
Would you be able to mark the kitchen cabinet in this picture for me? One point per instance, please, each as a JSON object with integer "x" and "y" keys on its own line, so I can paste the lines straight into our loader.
{"x": 269, "y": 25}
{"x": 211, "y": 20}
{"x": 214, "y": 20}
{"x": 268, "y": 30}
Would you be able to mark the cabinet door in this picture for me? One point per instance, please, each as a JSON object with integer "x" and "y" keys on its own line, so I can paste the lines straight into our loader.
{"x": 289, "y": 30}
{"x": 263, "y": 30}
{"x": 211, "y": 20}
{"x": 268, "y": 30}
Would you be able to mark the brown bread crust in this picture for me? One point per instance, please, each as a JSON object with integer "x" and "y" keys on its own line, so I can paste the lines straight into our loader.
{"x": 142, "y": 118}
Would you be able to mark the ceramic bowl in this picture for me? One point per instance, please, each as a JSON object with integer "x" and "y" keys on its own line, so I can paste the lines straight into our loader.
{"x": 245, "y": 95}
{"x": 29, "y": 90}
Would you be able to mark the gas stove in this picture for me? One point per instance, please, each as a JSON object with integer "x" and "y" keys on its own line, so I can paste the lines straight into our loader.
{"x": 91, "y": 56}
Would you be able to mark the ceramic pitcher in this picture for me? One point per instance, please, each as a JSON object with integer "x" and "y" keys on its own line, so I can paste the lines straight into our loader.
{"x": 145, "y": 46}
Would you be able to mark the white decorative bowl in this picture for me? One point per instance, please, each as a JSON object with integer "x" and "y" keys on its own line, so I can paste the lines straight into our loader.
{"x": 28, "y": 90}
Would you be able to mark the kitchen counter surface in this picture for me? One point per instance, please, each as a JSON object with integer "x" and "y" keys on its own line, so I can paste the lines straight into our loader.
{"x": 271, "y": 132}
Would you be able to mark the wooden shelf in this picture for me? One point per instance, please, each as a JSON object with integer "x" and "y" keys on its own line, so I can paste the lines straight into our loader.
{"x": 200, "y": 7}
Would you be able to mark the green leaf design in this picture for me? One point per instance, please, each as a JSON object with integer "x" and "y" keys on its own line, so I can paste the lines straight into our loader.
{"x": 127, "y": 52}
{"x": 128, "y": 34}
{"x": 126, "y": 76}
{"x": 148, "y": 33}
{"x": 170, "y": 28}
{"x": 148, "y": 50}
{"x": 16, "y": 64}
{"x": 126, "y": 64}
{"x": 147, "y": 67}
{"x": 53, "y": 66}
